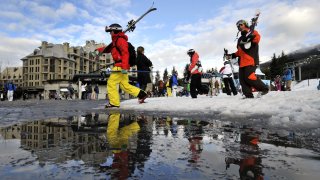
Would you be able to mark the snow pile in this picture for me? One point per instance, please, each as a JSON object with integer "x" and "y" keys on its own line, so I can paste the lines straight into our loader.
{"x": 297, "y": 108}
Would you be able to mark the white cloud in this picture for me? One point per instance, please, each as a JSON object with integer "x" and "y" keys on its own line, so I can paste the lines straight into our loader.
{"x": 13, "y": 49}
{"x": 283, "y": 25}
{"x": 66, "y": 10}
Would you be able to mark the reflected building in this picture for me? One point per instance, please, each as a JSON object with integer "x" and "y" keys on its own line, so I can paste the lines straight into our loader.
{"x": 54, "y": 140}
{"x": 10, "y": 132}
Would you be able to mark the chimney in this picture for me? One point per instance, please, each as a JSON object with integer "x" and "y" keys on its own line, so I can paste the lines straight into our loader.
{"x": 66, "y": 46}
{"x": 44, "y": 44}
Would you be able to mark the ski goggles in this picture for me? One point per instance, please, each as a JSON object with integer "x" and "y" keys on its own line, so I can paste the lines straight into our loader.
{"x": 241, "y": 23}
{"x": 238, "y": 25}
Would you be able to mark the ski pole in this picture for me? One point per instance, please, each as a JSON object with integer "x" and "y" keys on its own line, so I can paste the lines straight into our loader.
{"x": 103, "y": 66}
{"x": 108, "y": 72}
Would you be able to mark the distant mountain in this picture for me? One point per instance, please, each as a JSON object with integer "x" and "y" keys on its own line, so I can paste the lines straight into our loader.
{"x": 309, "y": 59}
{"x": 299, "y": 54}
{"x": 302, "y": 53}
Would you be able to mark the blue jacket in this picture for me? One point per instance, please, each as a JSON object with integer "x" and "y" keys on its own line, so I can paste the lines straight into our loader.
{"x": 288, "y": 75}
{"x": 174, "y": 80}
{"x": 10, "y": 87}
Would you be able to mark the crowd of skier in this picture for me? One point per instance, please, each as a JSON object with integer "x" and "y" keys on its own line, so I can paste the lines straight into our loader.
{"x": 247, "y": 54}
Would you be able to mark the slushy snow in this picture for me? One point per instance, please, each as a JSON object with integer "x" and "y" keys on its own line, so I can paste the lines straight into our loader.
{"x": 297, "y": 108}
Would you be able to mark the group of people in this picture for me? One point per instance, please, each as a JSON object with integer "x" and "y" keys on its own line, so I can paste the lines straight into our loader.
{"x": 8, "y": 91}
{"x": 248, "y": 57}
{"x": 87, "y": 91}
{"x": 247, "y": 54}
{"x": 284, "y": 83}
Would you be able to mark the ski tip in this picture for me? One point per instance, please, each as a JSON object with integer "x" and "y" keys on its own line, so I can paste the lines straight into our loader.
{"x": 258, "y": 12}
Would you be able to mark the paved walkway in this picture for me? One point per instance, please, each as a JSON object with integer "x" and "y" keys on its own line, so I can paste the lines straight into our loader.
{"x": 20, "y": 111}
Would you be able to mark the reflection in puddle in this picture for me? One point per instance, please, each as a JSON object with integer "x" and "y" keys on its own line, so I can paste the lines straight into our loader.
{"x": 114, "y": 145}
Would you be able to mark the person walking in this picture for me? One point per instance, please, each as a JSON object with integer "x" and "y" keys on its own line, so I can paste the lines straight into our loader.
{"x": 10, "y": 87}
{"x": 277, "y": 82}
{"x": 143, "y": 67}
{"x": 119, "y": 76}
{"x": 226, "y": 72}
{"x": 168, "y": 87}
{"x": 83, "y": 91}
{"x": 174, "y": 83}
{"x": 195, "y": 70}
{"x": 71, "y": 91}
{"x": 89, "y": 91}
{"x": 96, "y": 90}
{"x": 288, "y": 78}
{"x": 248, "y": 54}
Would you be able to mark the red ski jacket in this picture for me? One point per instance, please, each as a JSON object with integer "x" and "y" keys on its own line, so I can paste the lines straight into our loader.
{"x": 194, "y": 60}
{"x": 121, "y": 59}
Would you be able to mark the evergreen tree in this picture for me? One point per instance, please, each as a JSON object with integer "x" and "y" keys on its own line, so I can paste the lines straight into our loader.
{"x": 157, "y": 78}
{"x": 186, "y": 73}
{"x": 277, "y": 65}
{"x": 174, "y": 70}
{"x": 165, "y": 75}
{"x": 273, "y": 67}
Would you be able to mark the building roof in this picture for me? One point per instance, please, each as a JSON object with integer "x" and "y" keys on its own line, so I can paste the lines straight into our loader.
{"x": 52, "y": 50}
{"x": 12, "y": 71}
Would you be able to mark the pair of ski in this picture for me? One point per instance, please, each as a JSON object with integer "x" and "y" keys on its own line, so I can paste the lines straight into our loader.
{"x": 131, "y": 26}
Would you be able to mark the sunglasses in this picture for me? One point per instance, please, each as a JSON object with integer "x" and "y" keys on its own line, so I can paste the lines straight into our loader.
{"x": 239, "y": 25}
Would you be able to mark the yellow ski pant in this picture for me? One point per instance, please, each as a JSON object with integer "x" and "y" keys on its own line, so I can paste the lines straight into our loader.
{"x": 115, "y": 79}
{"x": 119, "y": 138}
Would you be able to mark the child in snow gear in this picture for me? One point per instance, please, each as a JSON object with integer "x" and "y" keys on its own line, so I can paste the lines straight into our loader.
{"x": 195, "y": 70}
{"x": 121, "y": 58}
{"x": 226, "y": 70}
{"x": 277, "y": 83}
{"x": 248, "y": 54}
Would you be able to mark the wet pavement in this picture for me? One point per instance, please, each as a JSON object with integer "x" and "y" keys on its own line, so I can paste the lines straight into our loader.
{"x": 72, "y": 140}
{"x": 20, "y": 111}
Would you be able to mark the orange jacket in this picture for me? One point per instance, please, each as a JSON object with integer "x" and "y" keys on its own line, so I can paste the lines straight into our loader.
{"x": 194, "y": 60}
{"x": 250, "y": 56}
{"x": 119, "y": 42}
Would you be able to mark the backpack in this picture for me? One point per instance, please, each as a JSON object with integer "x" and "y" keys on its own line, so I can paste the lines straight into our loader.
{"x": 132, "y": 54}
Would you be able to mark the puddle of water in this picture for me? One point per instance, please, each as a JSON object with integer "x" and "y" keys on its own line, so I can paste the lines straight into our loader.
{"x": 114, "y": 145}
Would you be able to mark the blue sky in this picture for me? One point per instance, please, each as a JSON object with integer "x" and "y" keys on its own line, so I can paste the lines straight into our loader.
{"x": 208, "y": 26}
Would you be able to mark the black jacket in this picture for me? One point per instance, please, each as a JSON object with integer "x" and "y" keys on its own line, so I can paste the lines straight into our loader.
{"x": 143, "y": 64}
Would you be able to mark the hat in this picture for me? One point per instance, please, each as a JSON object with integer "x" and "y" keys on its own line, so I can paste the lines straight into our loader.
{"x": 244, "y": 22}
{"x": 190, "y": 51}
{"x": 113, "y": 27}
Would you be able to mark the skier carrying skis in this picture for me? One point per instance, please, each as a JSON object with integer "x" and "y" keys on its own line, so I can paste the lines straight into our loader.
{"x": 248, "y": 53}
{"x": 195, "y": 70}
{"x": 119, "y": 76}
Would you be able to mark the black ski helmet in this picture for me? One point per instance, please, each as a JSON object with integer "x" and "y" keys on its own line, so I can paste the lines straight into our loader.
{"x": 244, "y": 22}
{"x": 114, "y": 27}
{"x": 190, "y": 52}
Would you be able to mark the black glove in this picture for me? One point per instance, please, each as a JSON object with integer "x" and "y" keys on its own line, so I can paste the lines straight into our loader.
{"x": 231, "y": 56}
